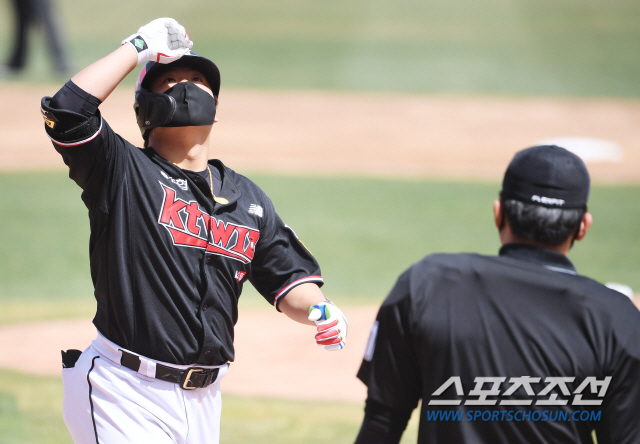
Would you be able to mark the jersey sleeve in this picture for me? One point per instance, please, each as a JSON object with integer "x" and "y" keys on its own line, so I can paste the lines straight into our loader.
{"x": 281, "y": 261}
{"x": 88, "y": 146}
{"x": 621, "y": 407}
{"x": 390, "y": 369}
{"x": 382, "y": 424}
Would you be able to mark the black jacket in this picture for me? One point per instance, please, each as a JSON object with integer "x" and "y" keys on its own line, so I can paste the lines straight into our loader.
{"x": 506, "y": 349}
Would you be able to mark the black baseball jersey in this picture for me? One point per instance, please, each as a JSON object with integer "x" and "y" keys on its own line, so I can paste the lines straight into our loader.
{"x": 509, "y": 349}
{"x": 168, "y": 263}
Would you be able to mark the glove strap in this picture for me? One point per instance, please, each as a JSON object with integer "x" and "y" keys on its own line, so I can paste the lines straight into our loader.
{"x": 138, "y": 43}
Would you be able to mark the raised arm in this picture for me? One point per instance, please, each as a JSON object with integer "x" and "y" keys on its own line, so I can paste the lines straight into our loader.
{"x": 162, "y": 40}
{"x": 71, "y": 116}
{"x": 100, "y": 78}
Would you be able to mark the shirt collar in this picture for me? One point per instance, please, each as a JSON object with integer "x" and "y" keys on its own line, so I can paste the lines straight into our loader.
{"x": 229, "y": 189}
{"x": 549, "y": 259}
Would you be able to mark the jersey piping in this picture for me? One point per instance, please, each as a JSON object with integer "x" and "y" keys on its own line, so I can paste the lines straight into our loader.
{"x": 93, "y": 419}
{"x": 294, "y": 284}
{"x": 560, "y": 270}
{"x": 81, "y": 142}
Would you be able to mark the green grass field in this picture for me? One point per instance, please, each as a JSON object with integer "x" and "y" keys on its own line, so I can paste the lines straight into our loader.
{"x": 364, "y": 233}
{"x": 562, "y": 47}
{"x": 31, "y": 413}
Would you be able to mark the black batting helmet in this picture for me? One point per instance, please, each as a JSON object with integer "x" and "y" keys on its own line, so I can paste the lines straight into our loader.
{"x": 152, "y": 109}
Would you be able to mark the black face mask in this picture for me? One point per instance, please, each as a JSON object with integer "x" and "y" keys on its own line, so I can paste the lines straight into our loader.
{"x": 194, "y": 106}
{"x": 184, "y": 104}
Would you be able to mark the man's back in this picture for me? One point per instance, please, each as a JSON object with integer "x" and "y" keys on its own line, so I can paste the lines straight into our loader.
{"x": 500, "y": 349}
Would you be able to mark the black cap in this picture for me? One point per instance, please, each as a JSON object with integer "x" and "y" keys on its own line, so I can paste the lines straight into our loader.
{"x": 151, "y": 70}
{"x": 547, "y": 175}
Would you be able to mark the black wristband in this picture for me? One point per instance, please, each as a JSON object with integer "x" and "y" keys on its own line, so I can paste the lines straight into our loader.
{"x": 138, "y": 43}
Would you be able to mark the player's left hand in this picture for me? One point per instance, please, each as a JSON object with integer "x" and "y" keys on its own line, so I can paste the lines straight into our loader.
{"x": 331, "y": 324}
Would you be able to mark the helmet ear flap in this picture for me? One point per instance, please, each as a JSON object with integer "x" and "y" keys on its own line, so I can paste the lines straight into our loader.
{"x": 153, "y": 109}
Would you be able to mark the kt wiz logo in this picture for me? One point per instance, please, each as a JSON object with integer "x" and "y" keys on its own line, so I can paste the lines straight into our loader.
{"x": 191, "y": 227}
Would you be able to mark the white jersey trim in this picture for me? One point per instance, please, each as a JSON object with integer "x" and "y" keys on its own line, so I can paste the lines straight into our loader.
{"x": 293, "y": 284}
{"x": 560, "y": 270}
{"x": 89, "y": 139}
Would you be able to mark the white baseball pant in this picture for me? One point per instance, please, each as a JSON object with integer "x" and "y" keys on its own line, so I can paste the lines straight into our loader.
{"x": 106, "y": 403}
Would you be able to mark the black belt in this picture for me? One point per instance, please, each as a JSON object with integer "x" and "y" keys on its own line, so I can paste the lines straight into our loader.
{"x": 188, "y": 379}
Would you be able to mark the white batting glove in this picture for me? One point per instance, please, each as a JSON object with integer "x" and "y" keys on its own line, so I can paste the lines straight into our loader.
{"x": 331, "y": 324}
{"x": 163, "y": 40}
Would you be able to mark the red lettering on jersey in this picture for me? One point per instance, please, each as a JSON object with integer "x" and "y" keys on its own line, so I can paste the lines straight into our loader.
{"x": 246, "y": 244}
{"x": 186, "y": 239}
{"x": 253, "y": 240}
{"x": 170, "y": 209}
{"x": 242, "y": 236}
{"x": 224, "y": 252}
{"x": 218, "y": 234}
{"x": 221, "y": 232}
{"x": 194, "y": 213}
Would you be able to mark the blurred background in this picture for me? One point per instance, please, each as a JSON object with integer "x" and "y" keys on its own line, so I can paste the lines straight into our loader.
{"x": 567, "y": 47}
{"x": 379, "y": 128}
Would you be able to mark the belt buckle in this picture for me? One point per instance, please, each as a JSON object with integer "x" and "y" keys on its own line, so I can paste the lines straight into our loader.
{"x": 187, "y": 378}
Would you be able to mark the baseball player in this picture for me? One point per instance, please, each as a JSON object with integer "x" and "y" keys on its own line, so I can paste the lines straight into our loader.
{"x": 174, "y": 237}
{"x": 515, "y": 348}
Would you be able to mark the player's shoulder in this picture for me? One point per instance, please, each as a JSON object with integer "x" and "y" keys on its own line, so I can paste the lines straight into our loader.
{"x": 603, "y": 298}
{"x": 247, "y": 187}
{"x": 437, "y": 267}
{"x": 611, "y": 309}
{"x": 437, "y": 262}
{"x": 242, "y": 181}
{"x": 431, "y": 271}
{"x": 238, "y": 178}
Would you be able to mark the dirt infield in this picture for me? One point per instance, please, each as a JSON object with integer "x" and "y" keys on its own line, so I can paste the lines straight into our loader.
{"x": 280, "y": 361}
{"x": 389, "y": 135}
{"x": 275, "y": 357}
{"x": 360, "y": 134}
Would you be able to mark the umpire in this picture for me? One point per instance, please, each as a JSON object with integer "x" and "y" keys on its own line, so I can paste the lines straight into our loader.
{"x": 516, "y": 348}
